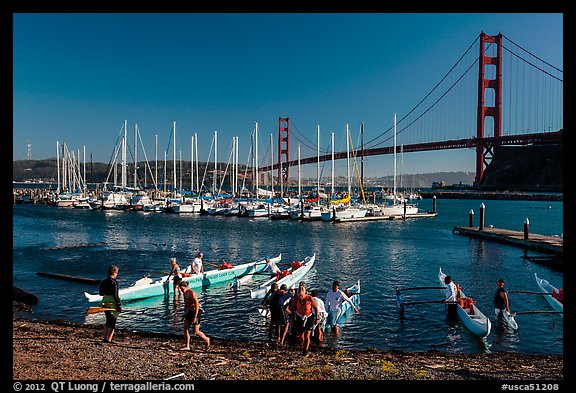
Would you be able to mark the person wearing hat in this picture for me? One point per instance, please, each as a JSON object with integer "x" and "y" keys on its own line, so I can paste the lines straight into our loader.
{"x": 271, "y": 267}
{"x": 333, "y": 304}
{"x": 197, "y": 266}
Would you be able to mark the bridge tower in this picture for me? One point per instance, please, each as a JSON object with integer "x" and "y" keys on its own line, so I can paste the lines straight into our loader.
{"x": 484, "y": 149}
{"x": 283, "y": 152}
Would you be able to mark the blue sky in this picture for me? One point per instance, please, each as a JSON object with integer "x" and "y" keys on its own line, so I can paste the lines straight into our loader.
{"x": 77, "y": 77}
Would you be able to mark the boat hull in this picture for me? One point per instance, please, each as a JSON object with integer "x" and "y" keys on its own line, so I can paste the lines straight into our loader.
{"x": 290, "y": 280}
{"x": 477, "y": 322}
{"x": 165, "y": 286}
{"x": 545, "y": 286}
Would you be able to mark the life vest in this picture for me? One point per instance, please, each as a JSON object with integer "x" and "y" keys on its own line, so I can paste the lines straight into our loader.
{"x": 458, "y": 288}
{"x": 466, "y": 303}
{"x": 296, "y": 265}
{"x": 224, "y": 266}
{"x": 285, "y": 273}
{"x": 558, "y": 295}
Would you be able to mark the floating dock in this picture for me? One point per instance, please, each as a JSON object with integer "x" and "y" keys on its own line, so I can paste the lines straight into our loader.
{"x": 543, "y": 243}
{"x": 385, "y": 218}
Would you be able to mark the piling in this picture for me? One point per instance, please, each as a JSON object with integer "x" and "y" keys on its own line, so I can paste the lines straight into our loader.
{"x": 481, "y": 223}
{"x": 404, "y": 214}
{"x": 434, "y": 204}
{"x": 526, "y": 224}
{"x": 471, "y": 219}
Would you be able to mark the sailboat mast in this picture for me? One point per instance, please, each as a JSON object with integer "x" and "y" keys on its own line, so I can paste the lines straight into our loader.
{"x": 156, "y": 160}
{"x": 348, "y": 160}
{"x": 318, "y": 162}
{"x": 58, "y": 165}
{"x": 197, "y": 160}
{"x": 192, "y": 164}
{"x": 332, "y": 181}
{"x": 135, "y": 152}
{"x": 299, "y": 183}
{"x": 362, "y": 158}
{"x": 174, "y": 160}
{"x": 236, "y": 170}
{"x": 271, "y": 164}
{"x": 124, "y": 157}
{"x": 256, "y": 156}
{"x": 85, "y": 186}
{"x": 394, "y": 184}
{"x": 215, "y": 159}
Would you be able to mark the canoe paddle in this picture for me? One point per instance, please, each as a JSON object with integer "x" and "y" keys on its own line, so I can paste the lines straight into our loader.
{"x": 95, "y": 310}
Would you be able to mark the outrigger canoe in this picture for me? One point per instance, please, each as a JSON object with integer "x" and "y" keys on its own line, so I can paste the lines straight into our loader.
{"x": 545, "y": 286}
{"x": 145, "y": 288}
{"x": 290, "y": 280}
{"x": 478, "y": 323}
{"x": 354, "y": 292}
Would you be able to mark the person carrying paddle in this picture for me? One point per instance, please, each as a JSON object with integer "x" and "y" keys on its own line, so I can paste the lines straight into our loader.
{"x": 501, "y": 303}
{"x": 451, "y": 297}
{"x": 110, "y": 299}
{"x": 177, "y": 277}
{"x": 192, "y": 316}
{"x": 197, "y": 265}
{"x": 333, "y": 304}
{"x": 303, "y": 310}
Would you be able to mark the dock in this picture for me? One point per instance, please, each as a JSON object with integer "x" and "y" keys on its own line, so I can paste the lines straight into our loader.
{"x": 543, "y": 243}
{"x": 387, "y": 218}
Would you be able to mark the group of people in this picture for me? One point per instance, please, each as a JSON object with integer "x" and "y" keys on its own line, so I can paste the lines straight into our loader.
{"x": 192, "y": 309}
{"x": 303, "y": 314}
{"x": 452, "y": 298}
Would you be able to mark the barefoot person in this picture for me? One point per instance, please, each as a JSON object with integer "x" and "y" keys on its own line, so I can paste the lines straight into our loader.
{"x": 110, "y": 299}
{"x": 177, "y": 273}
{"x": 304, "y": 309}
{"x": 333, "y": 304}
{"x": 192, "y": 316}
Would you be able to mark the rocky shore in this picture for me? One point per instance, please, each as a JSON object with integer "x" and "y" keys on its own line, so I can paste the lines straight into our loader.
{"x": 58, "y": 350}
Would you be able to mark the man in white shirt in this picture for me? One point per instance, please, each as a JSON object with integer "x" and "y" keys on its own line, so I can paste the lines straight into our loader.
{"x": 271, "y": 267}
{"x": 322, "y": 315}
{"x": 333, "y": 304}
{"x": 197, "y": 266}
{"x": 451, "y": 298}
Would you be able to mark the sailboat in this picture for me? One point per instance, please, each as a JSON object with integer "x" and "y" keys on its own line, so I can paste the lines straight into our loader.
{"x": 397, "y": 209}
{"x": 346, "y": 209}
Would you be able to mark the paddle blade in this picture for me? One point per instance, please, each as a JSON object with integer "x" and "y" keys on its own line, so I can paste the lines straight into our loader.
{"x": 95, "y": 310}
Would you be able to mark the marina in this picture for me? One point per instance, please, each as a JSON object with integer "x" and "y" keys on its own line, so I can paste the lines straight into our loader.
{"x": 383, "y": 255}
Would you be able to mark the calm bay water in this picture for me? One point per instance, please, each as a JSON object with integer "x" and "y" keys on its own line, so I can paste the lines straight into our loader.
{"x": 383, "y": 255}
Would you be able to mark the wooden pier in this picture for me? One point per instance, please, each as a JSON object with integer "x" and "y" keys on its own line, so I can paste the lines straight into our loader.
{"x": 385, "y": 218}
{"x": 549, "y": 244}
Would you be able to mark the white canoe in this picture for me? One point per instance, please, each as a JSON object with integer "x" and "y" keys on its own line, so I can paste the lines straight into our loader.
{"x": 507, "y": 318}
{"x": 545, "y": 286}
{"x": 149, "y": 288}
{"x": 478, "y": 323}
{"x": 290, "y": 280}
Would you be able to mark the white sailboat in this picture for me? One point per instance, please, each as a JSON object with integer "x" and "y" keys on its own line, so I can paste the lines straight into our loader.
{"x": 399, "y": 206}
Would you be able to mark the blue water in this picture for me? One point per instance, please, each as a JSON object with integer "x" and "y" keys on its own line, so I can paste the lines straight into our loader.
{"x": 383, "y": 255}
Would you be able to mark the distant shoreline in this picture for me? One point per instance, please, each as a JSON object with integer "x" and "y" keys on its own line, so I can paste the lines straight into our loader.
{"x": 499, "y": 195}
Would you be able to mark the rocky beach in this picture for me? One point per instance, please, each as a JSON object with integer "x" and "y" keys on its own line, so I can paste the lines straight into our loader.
{"x": 59, "y": 350}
